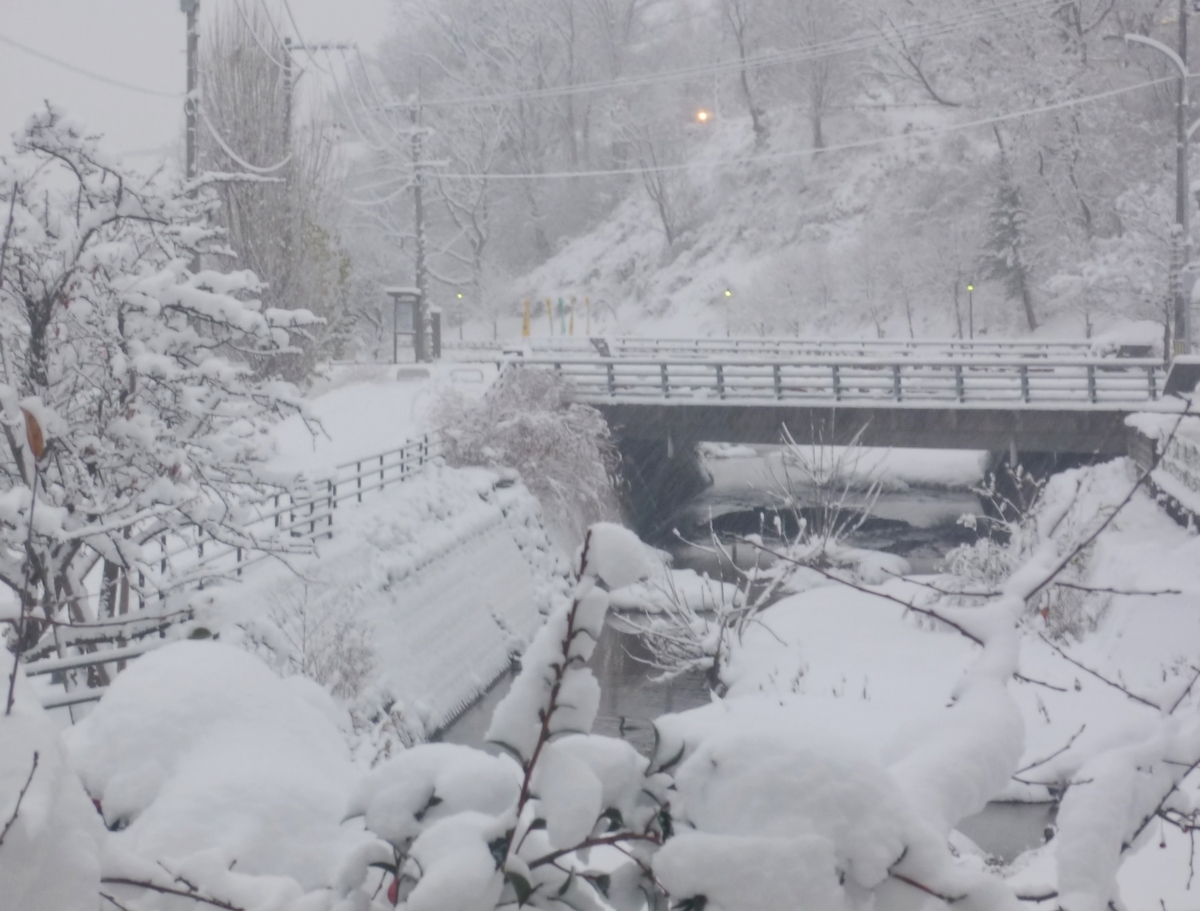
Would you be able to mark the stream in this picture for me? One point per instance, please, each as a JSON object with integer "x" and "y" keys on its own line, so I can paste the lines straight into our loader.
{"x": 917, "y": 523}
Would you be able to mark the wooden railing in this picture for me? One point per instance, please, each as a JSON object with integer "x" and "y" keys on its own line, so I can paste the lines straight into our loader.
{"x": 908, "y": 381}
{"x": 285, "y": 524}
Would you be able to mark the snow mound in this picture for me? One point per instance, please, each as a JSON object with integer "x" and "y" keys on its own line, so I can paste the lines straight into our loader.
{"x": 50, "y": 857}
{"x": 198, "y": 747}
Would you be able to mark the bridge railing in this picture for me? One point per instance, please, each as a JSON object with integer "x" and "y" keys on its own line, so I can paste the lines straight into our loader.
{"x": 625, "y": 347}
{"x": 912, "y": 381}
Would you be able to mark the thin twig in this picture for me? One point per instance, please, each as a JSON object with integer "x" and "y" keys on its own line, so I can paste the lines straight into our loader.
{"x": 942, "y": 591}
{"x": 907, "y": 605}
{"x": 1056, "y": 753}
{"x": 948, "y": 899}
{"x": 1118, "y": 591}
{"x": 169, "y": 890}
{"x": 1083, "y": 667}
{"x": 1043, "y": 897}
{"x": 1183, "y": 695}
{"x": 1095, "y": 533}
{"x": 21, "y": 796}
{"x": 592, "y": 843}
{"x": 1159, "y": 809}
{"x": 24, "y": 596}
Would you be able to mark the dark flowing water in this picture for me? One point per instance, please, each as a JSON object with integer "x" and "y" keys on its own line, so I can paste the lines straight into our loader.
{"x": 919, "y": 524}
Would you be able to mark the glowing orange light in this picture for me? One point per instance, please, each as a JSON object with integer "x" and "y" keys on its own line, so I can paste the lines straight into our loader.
{"x": 702, "y": 116}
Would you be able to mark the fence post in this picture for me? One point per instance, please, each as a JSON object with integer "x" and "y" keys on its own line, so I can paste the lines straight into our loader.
{"x": 1091, "y": 378}
{"x": 778, "y": 381}
{"x": 837, "y": 383}
{"x": 612, "y": 379}
{"x": 358, "y": 474}
{"x": 381, "y": 471}
{"x": 1153, "y": 384}
{"x": 239, "y": 561}
{"x": 1024, "y": 382}
{"x": 720, "y": 381}
{"x": 959, "y": 385}
{"x": 896, "y": 382}
{"x": 276, "y": 510}
{"x": 666, "y": 386}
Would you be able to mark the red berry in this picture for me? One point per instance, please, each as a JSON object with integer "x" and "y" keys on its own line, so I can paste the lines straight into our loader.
{"x": 394, "y": 891}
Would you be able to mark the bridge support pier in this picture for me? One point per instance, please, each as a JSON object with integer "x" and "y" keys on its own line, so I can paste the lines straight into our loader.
{"x": 660, "y": 476}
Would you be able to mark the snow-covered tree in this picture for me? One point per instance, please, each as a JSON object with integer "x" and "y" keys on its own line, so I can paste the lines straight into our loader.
{"x": 282, "y": 227}
{"x": 127, "y": 405}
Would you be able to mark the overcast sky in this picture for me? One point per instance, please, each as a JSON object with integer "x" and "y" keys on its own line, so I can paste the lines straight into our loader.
{"x": 140, "y": 42}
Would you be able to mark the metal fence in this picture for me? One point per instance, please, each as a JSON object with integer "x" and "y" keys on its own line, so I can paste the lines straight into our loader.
{"x": 282, "y": 525}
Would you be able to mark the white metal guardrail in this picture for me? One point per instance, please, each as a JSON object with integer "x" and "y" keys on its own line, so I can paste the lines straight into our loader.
{"x": 875, "y": 381}
{"x": 627, "y": 347}
{"x": 283, "y": 524}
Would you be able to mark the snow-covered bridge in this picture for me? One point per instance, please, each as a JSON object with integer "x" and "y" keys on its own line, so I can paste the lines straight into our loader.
{"x": 1058, "y": 397}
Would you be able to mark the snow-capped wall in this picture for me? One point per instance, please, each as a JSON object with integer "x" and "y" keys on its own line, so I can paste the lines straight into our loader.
{"x": 415, "y": 605}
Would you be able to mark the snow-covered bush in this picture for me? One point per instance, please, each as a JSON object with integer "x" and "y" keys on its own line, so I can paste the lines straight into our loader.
{"x": 323, "y": 640}
{"x": 694, "y": 628}
{"x": 563, "y": 450}
{"x": 125, "y": 401}
{"x": 1061, "y": 510}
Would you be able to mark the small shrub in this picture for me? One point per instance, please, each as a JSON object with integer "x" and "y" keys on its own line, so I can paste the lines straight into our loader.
{"x": 563, "y": 450}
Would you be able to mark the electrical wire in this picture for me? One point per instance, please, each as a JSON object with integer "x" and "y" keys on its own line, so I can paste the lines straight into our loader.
{"x": 809, "y": 152}
{"x": 234, "y": 155}
{"x": 254, "y": 34}
{"x": 821, "y": 50}
{"x": 82, "y": 72}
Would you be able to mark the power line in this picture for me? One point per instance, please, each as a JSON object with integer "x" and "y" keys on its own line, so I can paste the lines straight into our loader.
{"x": 254, "y": 34}
{"x": 808, "y": 152}
{"x": 99, "y": 77}
{"x": 234, "y": 155}
{"x": 820, "y": 50}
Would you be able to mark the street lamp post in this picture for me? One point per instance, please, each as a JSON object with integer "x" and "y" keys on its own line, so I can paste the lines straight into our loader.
{"x": 970, "y": 311}
{"x": 1182, "y": 252}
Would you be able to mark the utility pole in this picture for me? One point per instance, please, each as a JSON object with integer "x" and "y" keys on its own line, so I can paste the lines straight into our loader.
{"x": 420, "y": 318}
{"x": 1183, "y": 308}
{"x": 289, "y": 81}
{"x": 191, "y": 101}
{"x": 287, "y": 96}
{"x": 1181, "y": 253}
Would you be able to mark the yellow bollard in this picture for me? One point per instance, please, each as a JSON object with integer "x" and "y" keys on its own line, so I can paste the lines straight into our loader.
{"x": 525, "y": 322}
{"x": 572, "y": 316}
{"x": 550, "y": 315}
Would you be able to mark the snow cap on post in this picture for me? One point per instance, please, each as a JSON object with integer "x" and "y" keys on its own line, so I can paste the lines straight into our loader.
{"x": 614, "y": 555}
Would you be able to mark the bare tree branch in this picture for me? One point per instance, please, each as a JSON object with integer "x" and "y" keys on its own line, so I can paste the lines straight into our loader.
{"x": 20, "y": 797}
